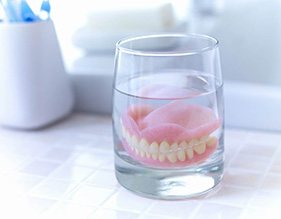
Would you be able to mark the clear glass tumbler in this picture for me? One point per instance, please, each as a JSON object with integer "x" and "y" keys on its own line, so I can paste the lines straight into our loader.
{"x": 168, "y": 115}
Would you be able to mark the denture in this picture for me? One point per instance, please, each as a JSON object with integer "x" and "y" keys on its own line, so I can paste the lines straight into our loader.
{"x": 173, "y": 135}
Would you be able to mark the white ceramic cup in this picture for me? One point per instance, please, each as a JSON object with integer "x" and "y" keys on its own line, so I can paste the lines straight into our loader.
{"x": 34, "y": 88}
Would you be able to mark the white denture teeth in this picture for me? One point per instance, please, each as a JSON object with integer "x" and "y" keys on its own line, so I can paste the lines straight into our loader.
{"x": 147, "y": 155}
{"x": 183, "y": 145}
{"x": 203, "y": 139}
{"x": 189, "y": 153}
{"x": 200, "y": 148}
{"x": 174, "y": 147}
{"x": 193, "y": 142}
{"x": 164, "y": 147}
{"x": 181, "y": 155}
{"x": 172, "y": 157}
{"x": 153, "y": 149}
{"x": 177, "y": 151}
{"x": 154, "y": 156}
{"x": 144, "y": 145}
{"x": 162, "y": 157}
{"x": 211, "y": 141}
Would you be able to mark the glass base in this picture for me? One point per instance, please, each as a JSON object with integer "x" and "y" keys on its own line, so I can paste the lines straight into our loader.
{"x": 168, "y": 184}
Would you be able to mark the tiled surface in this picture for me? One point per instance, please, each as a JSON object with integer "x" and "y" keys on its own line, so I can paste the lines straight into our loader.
{"x": 67, "y": 171}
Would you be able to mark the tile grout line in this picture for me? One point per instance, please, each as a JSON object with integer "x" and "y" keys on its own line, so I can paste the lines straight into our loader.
{"x": 263, "y": 177}
{"x": 195, "y": 211}
{"x": 237, "y": 152}
{"x": 49, "y": 176}
{"x": 147, "y": 208}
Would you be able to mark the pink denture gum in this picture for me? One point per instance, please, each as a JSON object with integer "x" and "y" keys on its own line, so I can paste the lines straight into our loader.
{"x": 174, "y": 135}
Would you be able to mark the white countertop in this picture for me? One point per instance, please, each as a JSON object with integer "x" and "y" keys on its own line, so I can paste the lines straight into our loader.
{"x": 67, "y": 171}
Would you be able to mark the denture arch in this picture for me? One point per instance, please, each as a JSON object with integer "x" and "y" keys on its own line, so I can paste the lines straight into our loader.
{"x": 175, "y": 134}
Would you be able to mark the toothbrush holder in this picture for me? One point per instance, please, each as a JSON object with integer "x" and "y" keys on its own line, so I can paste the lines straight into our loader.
{"x": 34, "y": 87}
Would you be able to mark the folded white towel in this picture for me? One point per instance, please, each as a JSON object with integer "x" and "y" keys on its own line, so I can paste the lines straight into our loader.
{"x": 105, "y": 26}
{"x": 143, "y": 17}
{"x": 100, "y": 41}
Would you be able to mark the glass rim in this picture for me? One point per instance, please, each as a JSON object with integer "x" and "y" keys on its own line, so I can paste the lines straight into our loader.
{"x": 124, "y": 49}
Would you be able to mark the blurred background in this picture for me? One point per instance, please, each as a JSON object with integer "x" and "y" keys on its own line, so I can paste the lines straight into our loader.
{"x": 249, "y": 33}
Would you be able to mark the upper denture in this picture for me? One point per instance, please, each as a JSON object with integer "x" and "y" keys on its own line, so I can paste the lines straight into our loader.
{"x": 173, "y": 122}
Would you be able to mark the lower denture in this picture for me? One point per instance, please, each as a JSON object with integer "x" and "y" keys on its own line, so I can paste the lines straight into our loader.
{"x": 174, "y": 135}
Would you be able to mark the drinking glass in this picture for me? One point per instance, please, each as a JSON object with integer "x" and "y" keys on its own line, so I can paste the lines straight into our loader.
{"x": 168, "y": 115}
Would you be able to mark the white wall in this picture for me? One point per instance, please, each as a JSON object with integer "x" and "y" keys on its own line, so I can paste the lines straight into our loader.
{"x": 250, "y": 39}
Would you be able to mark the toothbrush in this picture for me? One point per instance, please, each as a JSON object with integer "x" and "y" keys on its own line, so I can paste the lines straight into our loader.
{"x": 11, "y": 10}
{"x": 26, "y": 12}
{"x": 45, "y": 10}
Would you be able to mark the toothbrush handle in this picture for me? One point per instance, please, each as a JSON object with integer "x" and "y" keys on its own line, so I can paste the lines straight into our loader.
{"x": 11, "y": 10}
{"x": 27, "y": 13}
{"x": 45, "y": 8}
